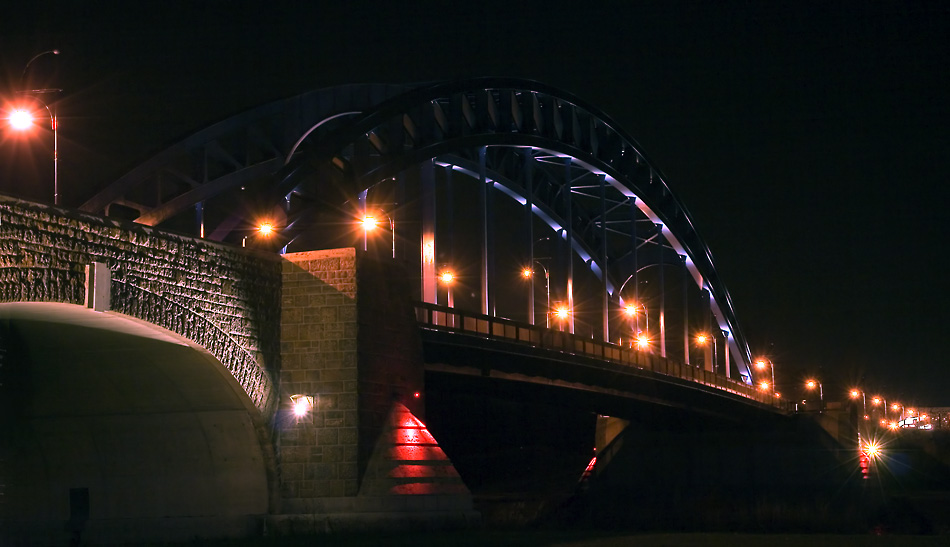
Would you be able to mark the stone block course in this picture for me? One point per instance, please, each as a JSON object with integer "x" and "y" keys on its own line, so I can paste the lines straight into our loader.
{"x": 319, "y": 296}
{"x": 224, "y": 298}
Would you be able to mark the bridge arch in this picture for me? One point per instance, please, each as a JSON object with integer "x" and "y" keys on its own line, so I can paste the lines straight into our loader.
{"x": 124, "y": 430}
{"x": 562, "y": 159}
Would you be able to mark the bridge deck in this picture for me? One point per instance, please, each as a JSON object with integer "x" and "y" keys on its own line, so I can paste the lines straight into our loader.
{"x": 443, "y": 318}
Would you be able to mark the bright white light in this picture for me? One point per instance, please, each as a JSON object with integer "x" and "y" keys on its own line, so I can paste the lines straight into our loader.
{"x": 369, "y": 222}
{"x": 302, "y": 404}
{"x": 21, "y": 119}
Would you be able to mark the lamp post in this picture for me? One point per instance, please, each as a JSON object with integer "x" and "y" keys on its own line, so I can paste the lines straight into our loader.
{"x": 854, "y": 393}
{"x": 528, "y": 273}
{"x": 812, "y": 384}
{"x": 894, "y": 407}
{"x": 702, "y": 340}
{"x": 370, "y": 223}
{"x": 21, "y": 118}
{"x": 760, "y": 364}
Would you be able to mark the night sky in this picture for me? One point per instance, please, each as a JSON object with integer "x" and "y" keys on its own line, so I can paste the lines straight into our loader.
{"x": 809, "y": 140}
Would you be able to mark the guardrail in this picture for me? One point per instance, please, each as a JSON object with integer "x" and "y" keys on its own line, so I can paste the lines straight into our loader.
{"x": 453, "y": 319}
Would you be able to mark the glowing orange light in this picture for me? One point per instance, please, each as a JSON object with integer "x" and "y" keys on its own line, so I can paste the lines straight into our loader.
{"x": 21, "y": 119}
{"x": 872, "y": 449}
{"x": 369, "y": 222}
{"x": 892, "y": 425}
{"x": 760, "y": 364}
{"x": 527, "y": 272}
{"x": 265, "y": 228}
{"x": 875, "y": 401}
{"x": 924, "y": 417}
{"x": 643, "y": 342}
{"x": 701, "y": 339}
{"x": 855, "y": 393}
{"x": 895, "y": 406}
{"x": 883, "y": 423}
{"x": 866, "y": 417}
{"x": 561, "y": 312}
{"x": 447, "y": 277}
{"x": 910, "y": 411}
{"x": 630, "y": 310}
{"x": 777, "y": 395}
{"x": 764, "y": 386}
{"x": 811, "y": 384}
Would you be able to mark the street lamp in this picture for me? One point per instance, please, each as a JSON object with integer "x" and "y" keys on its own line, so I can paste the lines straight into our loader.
{"x": 854, "y": 394}
{"x": 21, "y": 118}
{"x": 633, "y": 310}
{"x": 370, "y": 223}
{"x": 702, "y": 339}
{"x": 561, "y": 312}
{"x": 760, "y": 364}
{"x": 895, "y": 407}
{"x": 643, "y": 342}
{"x": 527, "y": 272}
{"x": 812, "y": 384}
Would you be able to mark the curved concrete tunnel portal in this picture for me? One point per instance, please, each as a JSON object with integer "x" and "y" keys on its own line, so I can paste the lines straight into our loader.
{"x": 128, "y": 425}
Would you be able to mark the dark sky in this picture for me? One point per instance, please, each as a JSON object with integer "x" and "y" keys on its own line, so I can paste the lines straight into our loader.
{"x": 809, "y": 140}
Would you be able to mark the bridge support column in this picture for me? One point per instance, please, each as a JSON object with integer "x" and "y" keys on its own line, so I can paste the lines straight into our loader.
{"x": 349, "y": 341}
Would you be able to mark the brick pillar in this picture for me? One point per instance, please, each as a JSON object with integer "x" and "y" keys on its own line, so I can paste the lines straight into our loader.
{"x": 318, "y": 453}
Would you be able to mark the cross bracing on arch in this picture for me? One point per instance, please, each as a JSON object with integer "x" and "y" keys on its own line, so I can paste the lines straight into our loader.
{"x": 545, "y": 175}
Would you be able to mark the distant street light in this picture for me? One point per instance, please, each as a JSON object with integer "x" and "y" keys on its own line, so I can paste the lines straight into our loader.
{"x": 895, "y": 407}
{"x": 21, "y": 118}
{"x": 528, "y": 272}
{"x": 643, "y": 341}
{"x": 370, "y": 223}
{"x": 562, "y": 313}
{"x": 702, "y": 339}
{"x": 856, "y": 393}
{"x": 812, "y": 384}
{"x": 760, "y": 365}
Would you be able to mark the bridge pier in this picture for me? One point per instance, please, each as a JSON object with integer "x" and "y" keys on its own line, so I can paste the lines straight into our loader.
{"x": 362, "y": 456}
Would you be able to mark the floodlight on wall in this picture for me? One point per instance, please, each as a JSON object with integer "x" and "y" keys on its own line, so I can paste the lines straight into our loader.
{"x": 302, "y": 405}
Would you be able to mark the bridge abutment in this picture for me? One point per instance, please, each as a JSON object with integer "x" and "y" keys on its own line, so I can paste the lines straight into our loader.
{"x": 362, "y": 455}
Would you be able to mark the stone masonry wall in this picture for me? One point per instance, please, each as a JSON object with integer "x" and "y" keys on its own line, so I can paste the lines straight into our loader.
{"x": 318, "y": 453}
{"x": 223, "y": 298}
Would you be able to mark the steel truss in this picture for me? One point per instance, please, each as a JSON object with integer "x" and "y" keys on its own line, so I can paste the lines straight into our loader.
{"x": 570, "y": 168}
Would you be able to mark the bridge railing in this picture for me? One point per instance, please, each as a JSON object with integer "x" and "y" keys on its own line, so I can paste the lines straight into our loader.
{"x": 453, "y": 319}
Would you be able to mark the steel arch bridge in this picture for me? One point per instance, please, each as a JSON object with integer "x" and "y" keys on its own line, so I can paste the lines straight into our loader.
{"x": 488, "y": 178}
